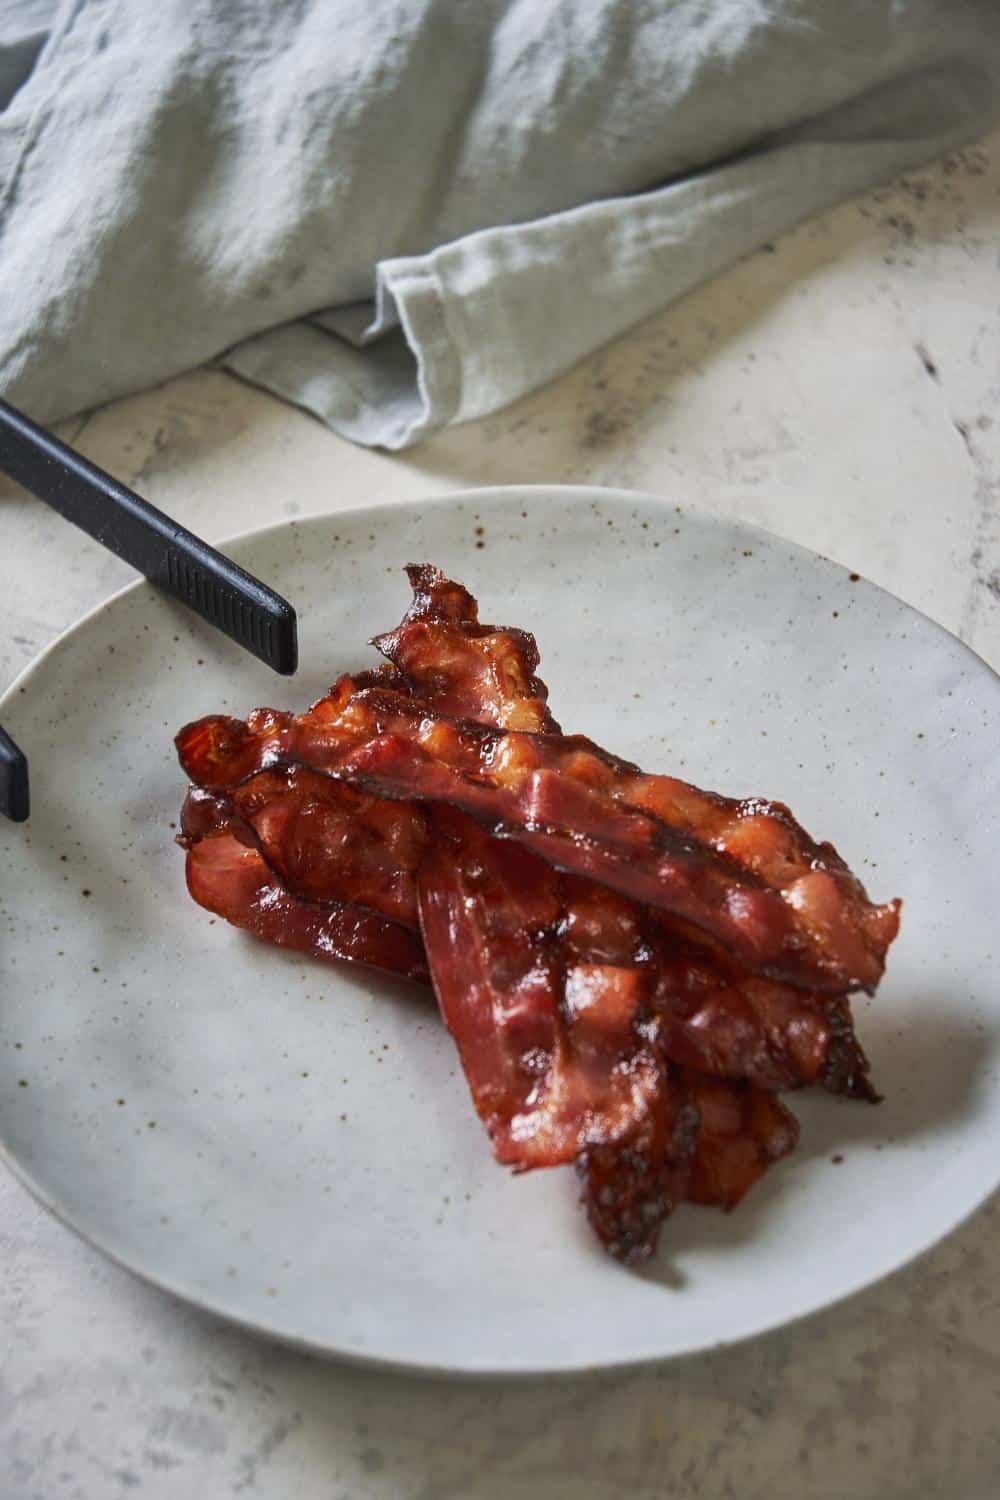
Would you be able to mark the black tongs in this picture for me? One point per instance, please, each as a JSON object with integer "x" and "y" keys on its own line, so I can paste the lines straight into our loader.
{"x": 173, "y": 558}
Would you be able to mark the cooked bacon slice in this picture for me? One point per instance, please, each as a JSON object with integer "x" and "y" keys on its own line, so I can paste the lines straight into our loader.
{"x": 744, "y": 872}
{"x": 232, "y": 879}
{"x": 537, "y": 980}
{"x": 548, "y": 1010}
{"x": 463, "y": 669}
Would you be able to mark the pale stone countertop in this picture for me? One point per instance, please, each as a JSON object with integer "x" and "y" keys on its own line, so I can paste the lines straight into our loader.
{"x": 842, "y": 388}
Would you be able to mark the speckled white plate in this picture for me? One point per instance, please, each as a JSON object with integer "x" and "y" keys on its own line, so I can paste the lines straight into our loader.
{"x": 291, "y": 1145}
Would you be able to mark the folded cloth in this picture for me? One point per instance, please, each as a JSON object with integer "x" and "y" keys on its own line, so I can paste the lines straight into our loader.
{"x": 410, "y": 212}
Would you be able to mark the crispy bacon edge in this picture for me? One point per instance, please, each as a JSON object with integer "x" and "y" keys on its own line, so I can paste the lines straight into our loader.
{"x": 461, "y": 668}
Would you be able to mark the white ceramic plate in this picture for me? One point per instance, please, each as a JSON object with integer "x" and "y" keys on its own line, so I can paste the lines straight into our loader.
{"x": 291, "y": 1145}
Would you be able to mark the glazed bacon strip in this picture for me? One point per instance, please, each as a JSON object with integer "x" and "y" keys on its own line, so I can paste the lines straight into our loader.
{"x": 743, "y": 872}
{"x": 551, "y": 1025}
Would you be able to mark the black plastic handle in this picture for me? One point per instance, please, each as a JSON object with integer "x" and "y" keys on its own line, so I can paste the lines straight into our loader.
{"x": 237, "y": 603}
{"x": 15, "y": 802}
{"x": 170, "y": 556}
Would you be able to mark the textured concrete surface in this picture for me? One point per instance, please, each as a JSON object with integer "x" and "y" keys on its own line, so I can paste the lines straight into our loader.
{"x": 841, "y": 387}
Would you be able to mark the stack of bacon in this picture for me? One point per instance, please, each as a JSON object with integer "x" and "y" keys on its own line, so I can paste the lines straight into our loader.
{"x": 631, "y": 968}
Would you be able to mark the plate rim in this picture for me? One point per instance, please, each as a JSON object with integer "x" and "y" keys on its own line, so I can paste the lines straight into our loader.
{"x": 489, "y": 1371}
